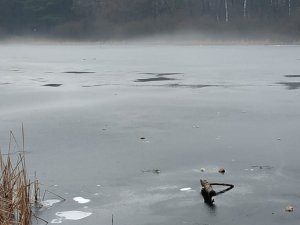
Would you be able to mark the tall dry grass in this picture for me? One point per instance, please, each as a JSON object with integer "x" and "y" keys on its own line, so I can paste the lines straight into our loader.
{"x": 18, "y": 195}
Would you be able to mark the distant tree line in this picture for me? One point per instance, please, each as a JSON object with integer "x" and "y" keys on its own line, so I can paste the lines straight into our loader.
{"x": 34, "y": 15}
{"x": 126, "y": 18}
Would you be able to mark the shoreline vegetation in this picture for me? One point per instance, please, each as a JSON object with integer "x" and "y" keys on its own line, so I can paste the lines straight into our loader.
{"x": 18, "y": 194}
{"x": 119, "y": 20}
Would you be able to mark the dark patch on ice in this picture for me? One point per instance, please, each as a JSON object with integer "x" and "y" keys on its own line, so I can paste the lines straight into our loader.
{"x": 93, "y": 85}
{"x": 191, "y": 85}
{"x": 154, "y": 171}
{"x": 14, "y": 70}
{"x": 5, "y": 83}
{"x": 157, "y": 77}
{"x": 154, "y": 79}
{"x": 291, "y": 85}
{"x": 162, "y": 74}
{"x": 39, "y": 79}
{"x": 262, "y": 167}
{"x": 48, "y": 72}
{"x": 292, "y": 75}
{"x": 52, "y": 85}
{"x": 79, "y": 72}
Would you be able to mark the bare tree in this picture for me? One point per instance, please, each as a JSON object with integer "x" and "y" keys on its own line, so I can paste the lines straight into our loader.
{"x": 226, "y": 11}
{"x": 245, "y": 8}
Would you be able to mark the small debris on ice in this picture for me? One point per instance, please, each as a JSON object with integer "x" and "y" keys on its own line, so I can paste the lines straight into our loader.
{"x": 155, "y": 171}
{"x": 289, "y": 208}
{"x": 222, "y": 170}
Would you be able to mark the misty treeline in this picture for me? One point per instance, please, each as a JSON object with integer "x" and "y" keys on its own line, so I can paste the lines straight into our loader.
{"x": 130, "y": 18}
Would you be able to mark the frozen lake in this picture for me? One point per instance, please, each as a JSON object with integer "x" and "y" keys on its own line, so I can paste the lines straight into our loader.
{"x": 100, "y": 120}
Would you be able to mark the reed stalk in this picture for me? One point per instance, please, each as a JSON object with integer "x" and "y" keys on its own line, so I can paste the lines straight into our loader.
{"x": 18, "y": 195}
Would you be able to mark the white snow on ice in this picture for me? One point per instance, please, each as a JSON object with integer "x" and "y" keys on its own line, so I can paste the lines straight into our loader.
{"x": 81, "y": 200}
{"x": 72, "y": 215}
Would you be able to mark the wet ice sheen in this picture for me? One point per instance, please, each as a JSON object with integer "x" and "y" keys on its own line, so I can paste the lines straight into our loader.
{"x": 186, "y": 189}
{"x": 50, "y": 202}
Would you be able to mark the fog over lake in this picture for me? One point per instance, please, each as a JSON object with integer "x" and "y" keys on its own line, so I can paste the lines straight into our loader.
{"x": 125, "y": 129}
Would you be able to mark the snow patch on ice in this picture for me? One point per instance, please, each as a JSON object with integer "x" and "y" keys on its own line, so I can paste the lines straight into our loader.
{"x": 81, "y": 200}
{"x": 72, "y": 215}
{"x": 56, "y": 221}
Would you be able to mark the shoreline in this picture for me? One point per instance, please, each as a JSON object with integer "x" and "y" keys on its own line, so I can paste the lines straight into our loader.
{"x": 154, "y": 39}
{"x": 42, "y": 42}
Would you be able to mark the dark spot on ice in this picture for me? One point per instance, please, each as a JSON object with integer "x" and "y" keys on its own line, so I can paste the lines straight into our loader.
{"x": 39, "y": 79}
{"x": 262, "y": 167}
{"x": 5, "y": 83}
{"x": 155, "y": 171}
{"x": 79, "y": 72}
{"x": 158, "y": 77}
{"x": 167, "y": 74}
{"x": 162, "y": 74}
{"x": 52, "y": 85}
{"x": 142, "y": 138}
{"x": 14, "y": 70}
{"x": 292, "y": 75}
{"x": 191, "y": 85}
{"x": 291, "y": 85}
{"x": 154, "y": 79}
{"x": 93, "y": 85}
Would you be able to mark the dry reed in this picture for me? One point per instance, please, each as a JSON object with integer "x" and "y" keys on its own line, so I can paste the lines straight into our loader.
{"x": 18, "y": 195}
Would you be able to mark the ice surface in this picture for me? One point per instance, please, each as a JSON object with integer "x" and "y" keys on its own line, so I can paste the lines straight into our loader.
{"x": 86, "y": 132}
